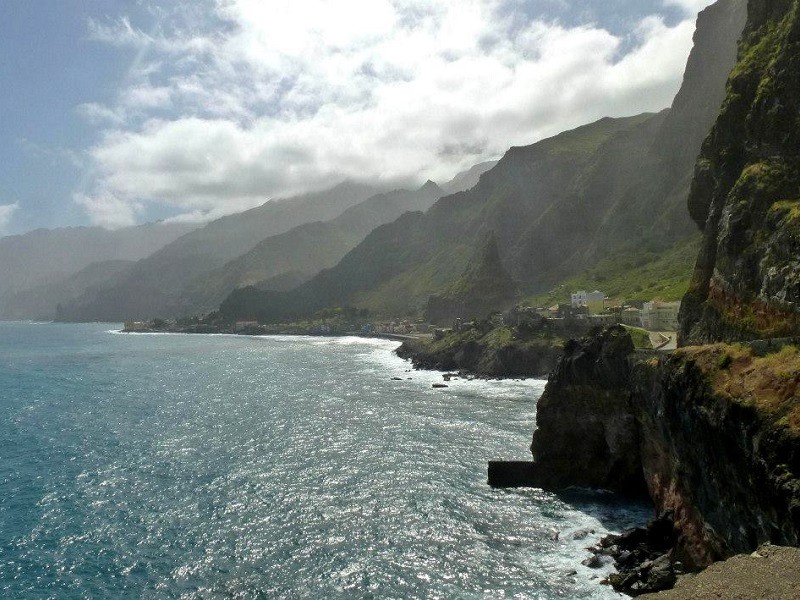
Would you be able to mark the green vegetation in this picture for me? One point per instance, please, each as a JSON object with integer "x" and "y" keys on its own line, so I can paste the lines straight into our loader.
{"x": 748, "y": 185}
{"x": 788, "y": 210}
{"x": 589, "y": 138}
{"x": 640, "y": 337}
{"x": 487, "y": 351}
{"x": 768, "y": 383}
{"x": 628, "y": 276}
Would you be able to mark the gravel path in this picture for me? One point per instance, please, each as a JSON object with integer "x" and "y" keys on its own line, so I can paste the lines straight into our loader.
{"x": 770, "y": 573}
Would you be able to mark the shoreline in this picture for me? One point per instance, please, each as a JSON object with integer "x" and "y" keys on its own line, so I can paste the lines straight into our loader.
{"x": 403, "y": 339}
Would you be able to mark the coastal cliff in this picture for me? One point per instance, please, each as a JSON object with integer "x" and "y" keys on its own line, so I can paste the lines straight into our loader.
{"x": 586, "y": 432}
{"x": 719, "y": 431}
{"x": 745, "y": 195}
{"x": 486, "y": 351}
{"x": 711, "y": 434}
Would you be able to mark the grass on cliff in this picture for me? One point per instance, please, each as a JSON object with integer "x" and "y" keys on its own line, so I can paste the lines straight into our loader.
{"x": 640, "y": 337}
{"x": 633, "y": 276}
{"x": 494, "y": 339}
{"x": 770, "y": 383}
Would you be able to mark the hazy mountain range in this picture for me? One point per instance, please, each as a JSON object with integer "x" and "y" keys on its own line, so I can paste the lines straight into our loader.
{"x": 550, "y": 209}
{"x": 612, "y": 187}
{"x": 278, "y": 245}
{"x": 41, "y": 258}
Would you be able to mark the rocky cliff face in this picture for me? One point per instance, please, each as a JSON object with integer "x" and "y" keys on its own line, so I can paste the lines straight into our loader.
{"x": 586, "y": 433}
{"x": 720, "y": 447}
{"x": 712, "y": 432}
{"x": 746, "y": 192}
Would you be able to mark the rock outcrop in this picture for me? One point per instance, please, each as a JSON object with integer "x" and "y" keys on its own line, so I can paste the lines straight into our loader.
{"x": 745, "y": 195}
{"x": 586, "y": 433}
{"x": 484, "y": 286}
{"x": 500, "y": 352}
{"x": 713, "y": 433}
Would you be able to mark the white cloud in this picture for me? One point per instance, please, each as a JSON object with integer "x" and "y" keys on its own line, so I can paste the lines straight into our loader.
{"x": 6, "y": 213}
{"x": 108, "y": 210}
{"x": 691, "y": 7}
{"x": 98, "y": 114}
{"x": 294, "y": 95}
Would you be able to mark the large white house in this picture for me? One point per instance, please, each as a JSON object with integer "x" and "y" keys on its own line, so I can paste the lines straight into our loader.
{"x": 584, "y": 298}
{"x": 660, "y": 316}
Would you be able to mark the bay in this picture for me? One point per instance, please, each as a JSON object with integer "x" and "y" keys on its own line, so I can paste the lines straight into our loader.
{"x": 178, "y": 466}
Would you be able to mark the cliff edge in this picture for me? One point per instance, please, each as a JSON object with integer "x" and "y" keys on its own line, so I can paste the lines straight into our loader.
{"x": 710, "y": 433}
{"x": 745, "y": 195}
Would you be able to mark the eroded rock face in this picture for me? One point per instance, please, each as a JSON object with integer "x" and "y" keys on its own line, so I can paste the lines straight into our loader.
{"x": 723, "y": 458}
{"x": 712, "y": 432}
{"x": 746, "y": 191}
{"x": 586, "y": 432}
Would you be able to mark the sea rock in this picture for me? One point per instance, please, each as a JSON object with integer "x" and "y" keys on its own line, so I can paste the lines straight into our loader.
{"x": 593, "y": 562}
{"x": 710, "y": 433}
{"x": 586, "y": 431}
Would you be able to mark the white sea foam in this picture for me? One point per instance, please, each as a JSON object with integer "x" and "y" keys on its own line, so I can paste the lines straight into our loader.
{"x": 294, "y": 466}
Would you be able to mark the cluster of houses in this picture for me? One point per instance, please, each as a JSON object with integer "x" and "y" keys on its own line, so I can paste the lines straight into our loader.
{"x": 596, "y": 308}
{"x": 404, "y": 327}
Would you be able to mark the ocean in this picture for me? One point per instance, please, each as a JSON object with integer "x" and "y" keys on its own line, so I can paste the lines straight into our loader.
{"x": 211, "y": 466}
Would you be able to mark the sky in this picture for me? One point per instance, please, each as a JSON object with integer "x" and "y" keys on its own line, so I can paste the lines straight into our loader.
{"x": 118, "y": 112}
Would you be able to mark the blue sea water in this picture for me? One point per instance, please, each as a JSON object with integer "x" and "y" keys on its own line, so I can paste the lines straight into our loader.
{"x": 177, "y": 466}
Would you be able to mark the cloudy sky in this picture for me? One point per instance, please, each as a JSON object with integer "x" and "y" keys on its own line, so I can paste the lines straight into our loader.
{"x": 117, "y": 112}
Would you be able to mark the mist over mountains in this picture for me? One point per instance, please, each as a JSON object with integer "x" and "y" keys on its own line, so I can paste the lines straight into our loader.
{"x": 552, "y": 208}
{"x": 44, "y": 257}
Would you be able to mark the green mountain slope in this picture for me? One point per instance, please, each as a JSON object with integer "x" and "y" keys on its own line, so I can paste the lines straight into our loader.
{"x": 556, "y": 207}
{"x": 306, "y": 250}
{"x": 644, "y": 275}
{"x": 746, "y": 192}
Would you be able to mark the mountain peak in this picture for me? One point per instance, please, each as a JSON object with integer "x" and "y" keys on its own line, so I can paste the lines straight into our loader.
{"x": 431, "y": 186}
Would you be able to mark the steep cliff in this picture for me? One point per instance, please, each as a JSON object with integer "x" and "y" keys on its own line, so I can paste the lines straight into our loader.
{"x": 713, "y": 433}
{"x": 746, "y": 192}
{"x": 720, "y": 446}
{"x": 586, "y": 434}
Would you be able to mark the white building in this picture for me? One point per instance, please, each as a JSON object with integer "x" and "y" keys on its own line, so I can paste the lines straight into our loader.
{"x": 632, "y": 316}
{"x": 584, "y": 298}
{"x": 660, "y": 316}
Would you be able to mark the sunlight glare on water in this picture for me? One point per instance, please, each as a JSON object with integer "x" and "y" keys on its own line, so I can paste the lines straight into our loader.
{"x": 176, "y": 466}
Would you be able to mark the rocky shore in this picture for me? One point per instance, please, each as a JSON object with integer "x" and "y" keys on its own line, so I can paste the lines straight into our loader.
{"x": 486, "y": 351}
{"x": 711, "y": 434}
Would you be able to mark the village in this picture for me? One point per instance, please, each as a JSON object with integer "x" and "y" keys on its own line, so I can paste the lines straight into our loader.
{"x": 588, "y": 309}
{"x": 583, "y": 311}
